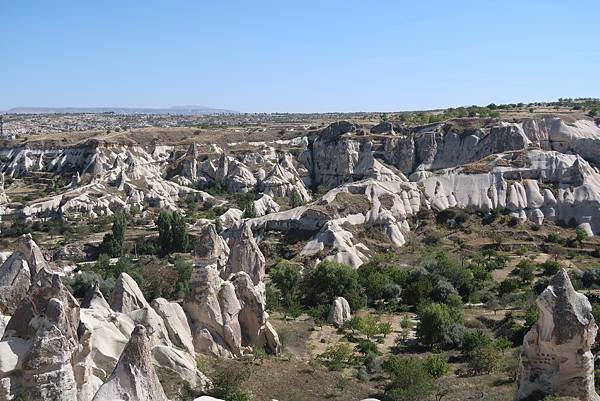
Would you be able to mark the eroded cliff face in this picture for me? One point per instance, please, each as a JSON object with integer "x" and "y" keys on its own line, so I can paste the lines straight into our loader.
{"x": 556, "y": 358}
{"x": 52, "y": 348}
{"x": 537, "y": 169}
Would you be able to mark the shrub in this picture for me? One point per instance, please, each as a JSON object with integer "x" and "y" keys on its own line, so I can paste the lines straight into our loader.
{"x": 286, "y": 277}
{"x": 526, "y": 271}
{"x": 554, "y": 238}
{"x": 435, "y": 323}
{"x": 485, "y": 359}
{"x": 475, "y": 339}
{"x": 228, "y": 380}
{"x": 436, "y": 366}
{"x": 337, "y": 357}
{"x": 508, "y": 285}
{"x": 328, "y": 280}
{"x": 184, "y": 274}
{"x": 443, "y": 291}
{"x": 550, "y": 267}
{"x": 409, "y": 379}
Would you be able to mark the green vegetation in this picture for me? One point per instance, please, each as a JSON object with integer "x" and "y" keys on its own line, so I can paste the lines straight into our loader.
{"x": 172, "y": 233}
{"x": 112, "y": 244}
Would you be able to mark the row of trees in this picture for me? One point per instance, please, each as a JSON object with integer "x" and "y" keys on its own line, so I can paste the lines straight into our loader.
{"x": 172, "y": 235}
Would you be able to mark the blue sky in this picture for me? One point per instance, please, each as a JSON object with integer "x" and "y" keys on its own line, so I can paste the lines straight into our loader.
{"x": 297, "y": 56}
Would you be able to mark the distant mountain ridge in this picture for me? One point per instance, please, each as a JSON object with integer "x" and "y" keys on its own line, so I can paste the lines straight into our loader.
{"x": 187, "y": 110}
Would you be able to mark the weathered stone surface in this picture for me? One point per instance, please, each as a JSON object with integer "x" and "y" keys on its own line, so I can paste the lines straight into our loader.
{"x": 176, "y": 323}
{"x": 134, "y": 377}
{"x": 47, "y": 371}
{"x": 339, "y": 312}
{"x": 556, "y": 356}
{"x": 228, "y": 317}
{"x": 211, "y": 248}
{"x": 15, "y": 279}
{"x": 245, "y": 256}
{"x": 127, "y": 296}
{"x": 94, "y": 299}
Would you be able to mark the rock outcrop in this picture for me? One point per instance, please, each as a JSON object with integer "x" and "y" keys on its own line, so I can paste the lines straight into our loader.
{"x": 245, "y": 256}
{"x": 556, "y": 358}
{"x": 211, "y": 248}
{"x": 127, "y": 296}
{"x": 339, "y": 312}
{"x": 228, "y": 316}
{"x": 134, "y": 377}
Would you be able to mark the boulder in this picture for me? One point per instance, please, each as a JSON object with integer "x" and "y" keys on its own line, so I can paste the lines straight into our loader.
{"x": 556, "y": 357}
{"x": 134, "y": 377}
{"x": 339, "y": 312}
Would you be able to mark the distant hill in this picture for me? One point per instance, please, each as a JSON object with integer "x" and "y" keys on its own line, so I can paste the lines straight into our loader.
{"x": 187, "y": 110}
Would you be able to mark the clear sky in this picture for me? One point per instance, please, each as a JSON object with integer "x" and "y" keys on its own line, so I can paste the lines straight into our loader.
{"x": 297, "y": 56}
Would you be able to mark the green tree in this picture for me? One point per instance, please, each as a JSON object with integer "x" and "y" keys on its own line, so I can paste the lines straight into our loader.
{"x": 112, "y": 244}
{"x": 165, "y": 235}
{"x": 485, "y": 359}
{"x": 369, "y": 327}
{"x": 172, "y": 233}
{"x": 526, "y": 271}
{"x": 180, "y": 239}
{"x": 436, "y": 320}
{"x": 328, "y": 280}
{"x": 286, "y": 277}
{"x": 184, "y": 274}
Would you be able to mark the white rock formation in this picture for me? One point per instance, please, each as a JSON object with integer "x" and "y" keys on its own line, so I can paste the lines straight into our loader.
{"x": 556, "y": 357}
{"x": 211, "y": 248}
{"x": 245, "y": 256}
{"x": 339, "y": 312}
{"x": 228, "y": 317}
{"x": 134, "y": 376}
{"x": 127, "y": 296}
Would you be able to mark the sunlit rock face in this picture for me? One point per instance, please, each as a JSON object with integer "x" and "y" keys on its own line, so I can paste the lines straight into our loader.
{"x": 556, "y": 356}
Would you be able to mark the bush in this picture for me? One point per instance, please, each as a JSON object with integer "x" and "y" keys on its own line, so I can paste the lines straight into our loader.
{"x": 526, "y": 271}
{"x": 436, "y": 366}
{"x": 184, "y": 274}
{"x": 508, "y": 285}
{"x": 435, "y": 323}
{"x": 409, "y": 379}
{"x": 443, "y": 291}
{"x": 550, "y": 267}
{"x": 228, "y": 380}
{"x": 475, "y": 339}
{"x": 328, "y": 280}
{"x": 485, "y": 359}
{"x": 337, "y": 357}
{"x": 286, "y": 277}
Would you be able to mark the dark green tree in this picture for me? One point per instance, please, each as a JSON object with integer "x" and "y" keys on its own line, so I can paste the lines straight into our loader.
{"x": 112, "y": 243}
{"x": 296, "y": 199}
{"x": 328, "y": 280}
{"x": 165, "y": 235}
